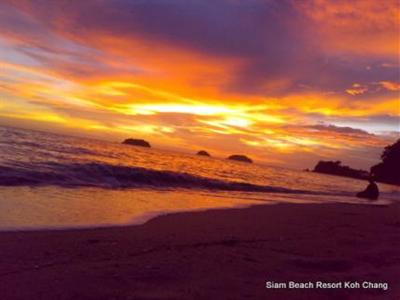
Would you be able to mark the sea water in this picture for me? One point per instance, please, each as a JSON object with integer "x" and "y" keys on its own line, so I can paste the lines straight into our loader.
{"x": 55, "y": 181}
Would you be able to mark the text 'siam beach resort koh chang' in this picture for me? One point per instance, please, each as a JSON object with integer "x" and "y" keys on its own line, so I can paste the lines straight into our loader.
{"x": 200, "y": 149}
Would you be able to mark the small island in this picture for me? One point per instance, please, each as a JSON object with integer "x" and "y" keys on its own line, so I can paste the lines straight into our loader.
{"x": 336, "y": 168}
{"x": 203, "y": 153}
{"x": 137, "y": 142}
{"x": 242, "y": 158}
{"x": 386, "y": 171}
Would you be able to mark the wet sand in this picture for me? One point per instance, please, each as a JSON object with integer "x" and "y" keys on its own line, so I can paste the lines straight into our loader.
{"x": 217, "y": 254}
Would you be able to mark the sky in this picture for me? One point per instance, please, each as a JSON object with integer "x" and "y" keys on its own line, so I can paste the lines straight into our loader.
{"x": 284, "y": 82}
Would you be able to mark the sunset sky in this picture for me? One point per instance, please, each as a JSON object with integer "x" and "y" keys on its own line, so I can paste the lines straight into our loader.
{"x": 285, "y": 82}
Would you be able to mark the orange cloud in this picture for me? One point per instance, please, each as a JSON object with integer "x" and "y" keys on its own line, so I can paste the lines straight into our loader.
{"x": 391, "y": 86}
{"x": 251, "y": 79}
{"x": 357, "y": 89}
{"x": 361, "y": 26}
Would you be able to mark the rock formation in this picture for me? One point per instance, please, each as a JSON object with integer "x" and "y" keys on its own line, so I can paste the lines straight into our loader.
{"x": 137, "y": 142}
{"x": 242, "y": 158}
{"x": 336, "y": 168}
{"x": 203, "y": 153}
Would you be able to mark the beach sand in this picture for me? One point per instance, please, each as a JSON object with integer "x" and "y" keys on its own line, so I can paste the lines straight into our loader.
{"x": 216, "y": 254}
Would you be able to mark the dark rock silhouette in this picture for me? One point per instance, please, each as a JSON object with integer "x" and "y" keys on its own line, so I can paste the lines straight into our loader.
{"x": 203, "y": 153}
{"x": 242, "y": 158}
{"x": 136, "y": 142}
{"x": 336, "y": 168}
{"x": 388, "y": 170}
{"x": 371, "y": 192}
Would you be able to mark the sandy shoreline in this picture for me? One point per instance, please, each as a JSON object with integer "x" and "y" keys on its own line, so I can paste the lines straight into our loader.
{"x": 217, "y": 254}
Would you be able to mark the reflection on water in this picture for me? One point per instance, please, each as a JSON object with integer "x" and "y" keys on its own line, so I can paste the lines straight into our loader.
{"x": 23, "y": 207}
{"x": 49, "y": 180}
{"x": 55, "y": 207}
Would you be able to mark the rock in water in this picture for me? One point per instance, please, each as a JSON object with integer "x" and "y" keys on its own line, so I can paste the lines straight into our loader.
{"x": 242, "y": 158}
{"x": 136, "y": 142}
{"x": 336, "y": 168}
{"x": 203, "y": 153}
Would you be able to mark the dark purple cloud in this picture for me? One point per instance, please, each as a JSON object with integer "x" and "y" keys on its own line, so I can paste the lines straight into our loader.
{"x": 277, "y": 42}
{"x": 338, "y": 129}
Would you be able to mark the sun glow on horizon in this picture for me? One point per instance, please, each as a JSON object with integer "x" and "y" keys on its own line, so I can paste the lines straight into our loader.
{"x": 236, "y": 84}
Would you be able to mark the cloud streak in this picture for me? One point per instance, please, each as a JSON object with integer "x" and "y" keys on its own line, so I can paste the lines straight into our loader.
{"x": 237, "y": 73}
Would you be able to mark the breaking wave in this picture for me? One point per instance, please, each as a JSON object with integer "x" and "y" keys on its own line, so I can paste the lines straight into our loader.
{"x": 112, "y": 176}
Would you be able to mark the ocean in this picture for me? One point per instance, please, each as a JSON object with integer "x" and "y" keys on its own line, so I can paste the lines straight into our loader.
{"x": 53, "y": 181}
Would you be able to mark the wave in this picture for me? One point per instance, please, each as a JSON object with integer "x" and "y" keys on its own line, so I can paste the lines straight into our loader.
{"x": 113, "y": 176}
